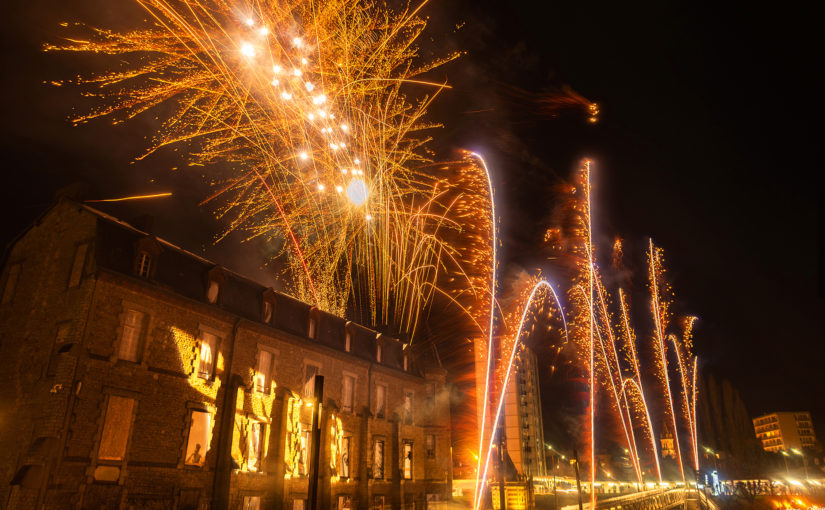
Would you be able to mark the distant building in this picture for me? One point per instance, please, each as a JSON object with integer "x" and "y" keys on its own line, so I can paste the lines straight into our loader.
{"x": 134, "y": 374}
{"x": 668, "y": 444}
{"x": 783, "y": 431}
{"x": 522, "y": 417}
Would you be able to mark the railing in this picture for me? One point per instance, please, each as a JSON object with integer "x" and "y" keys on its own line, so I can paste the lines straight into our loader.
{"x": 650, "y": 500}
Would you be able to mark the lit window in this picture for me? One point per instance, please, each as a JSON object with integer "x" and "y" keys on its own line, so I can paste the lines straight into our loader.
{"x": 251, "y": 503}
{"x": 130, "y": 338}
{"x": 77, "y": 265}
{"x": 200, "y": 433}
{"x": 213, "y": 291}
{"x": 348, "y": 391}
{"x": 344, "y": 502}
{"x": 254, "y": 445}
{"x": 378, "y": 459}
{"x": 144, "y": 266}
{"x": 380, "y": 400}
{"x": 11, "y": 283}
{"x": 408, "y": 460}
{"x": 346, "y": 443}
{"x": 206, "y": 360}
{"x": 116, "y": 427}
{"x": 408, "y": 402}
{"x": 306, "y": 437}
{"x": 430, "y": 445}
{"x": 263, "y": 372}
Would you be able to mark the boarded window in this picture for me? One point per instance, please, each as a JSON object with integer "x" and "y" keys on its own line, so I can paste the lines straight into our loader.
{"x": 131, "y": 333}
{"x": 348, "y": 396}
{"x": 77, "y": 265}
{"x": 200, "y": 426}
{"x": 116, "y": 427}
{"x": 263, "y": 372}
{"x": 11, "y": 283}
{"x": 206, "y": 360}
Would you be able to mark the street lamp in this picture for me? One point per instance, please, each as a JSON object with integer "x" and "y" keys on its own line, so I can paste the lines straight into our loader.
{"x": 785, "y": 458}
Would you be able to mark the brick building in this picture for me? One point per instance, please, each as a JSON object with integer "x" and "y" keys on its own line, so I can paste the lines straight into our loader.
{"x": 134, "y": 374}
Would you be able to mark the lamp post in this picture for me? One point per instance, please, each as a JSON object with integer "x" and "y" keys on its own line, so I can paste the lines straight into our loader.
{"x": 804, "y": 461}
{"x": 785, "y": 458}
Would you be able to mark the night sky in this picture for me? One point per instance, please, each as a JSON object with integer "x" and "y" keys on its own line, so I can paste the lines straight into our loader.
{"x": 705, "y": 142}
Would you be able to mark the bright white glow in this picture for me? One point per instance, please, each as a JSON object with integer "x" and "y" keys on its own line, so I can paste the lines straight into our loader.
{"x": 339, "y": 189}
{"x": 297, "y": 42}
{"x": 319, "y": 99}
{"x": 368, "y": 217}
{"x": 277, "y": 69}
{"x": 250, "y": 21}
{"x": 296, "y": 72}
{"x": 304, "y": 61}
{"x": 357, "y": 161}
{"x": 263, "y": 31}
{"x": 309, "y": 86}
{"x": 286, "y": 95}
{"x": 357, "y": 191}
{"x": 344, "y": 128}
{"x": 333, "y": 146}
{"x": 312, "y": 117}
{"x": 342, "y": 144}
{"x": 320, "y": 187}
{"x": 247, "y": 50}
{"x": 322, "y": 114}
{"x": 344, "y": 171}
{"x": 303, "y": 156}
{"x": 275, "y": 82}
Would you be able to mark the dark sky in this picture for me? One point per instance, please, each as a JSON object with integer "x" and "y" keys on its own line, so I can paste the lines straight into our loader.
{"x": 705, "y": 142}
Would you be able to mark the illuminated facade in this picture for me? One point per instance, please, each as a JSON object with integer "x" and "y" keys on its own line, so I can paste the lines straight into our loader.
{"x": 134, "y": 374}
{"x": 783, "y": 431}
{"x": 522, "y": 417}
{"x": 668, "y": 444}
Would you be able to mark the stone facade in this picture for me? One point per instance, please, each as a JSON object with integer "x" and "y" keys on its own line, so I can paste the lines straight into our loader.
{"x": 121, "y": 353}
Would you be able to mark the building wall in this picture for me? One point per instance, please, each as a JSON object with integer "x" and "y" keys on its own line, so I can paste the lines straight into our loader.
{"x": 522, "y": 417}
{"x": 55, "y": 388}
{"x": 786, "y": 430}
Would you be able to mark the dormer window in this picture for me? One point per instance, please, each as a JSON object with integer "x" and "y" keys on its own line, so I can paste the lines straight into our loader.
{"x": 379, "y": 352}
{"x": 214, "y": 280}
{"x": 406, "y": 362}
{"x": 312, "y": 329}
{"x": 144, "y": 264}
{"x": 348, "y": 341}
{"x": 147, "y": 250}
{"x": 213, "y": 291}
{"x": 268, "y": 300}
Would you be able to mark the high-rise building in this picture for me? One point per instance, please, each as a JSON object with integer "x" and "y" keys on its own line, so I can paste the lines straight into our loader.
{"x": 785, "y": 430}
{"x": 524, "y": 429}
{"x": 135, "y": 374}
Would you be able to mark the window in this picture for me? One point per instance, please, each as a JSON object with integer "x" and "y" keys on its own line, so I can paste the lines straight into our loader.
{"x": 407, "y": 460}
{"x": 346, "y": 443}
{"x": 299, "y": 504}
{"x": 348, "y": 396}
{"x": 251, "y": 503}
{"x": 380, "y": 401}
{"x": 313, "y": 324}
{"x": 309, "y": 379}
{"x": 378, "y": 503}
{"x": 116, "y": 427}
{"x": 306, "y": 439}
{"x": 131, "y": 332}
{"x": 59, "y": 341}
{"x": 11, "y": 283}
{"x": 267, "y": 315}
{"x": 433, "y": 502}
{"x": 408, "y": 402}
{"x": 379, "y": 353}
{"x": 430, "y": 445}
{"x": 206, "y": 360}
{"x": 344, "y": 502}
{"x": 348, "y": 341}
{"x": 77, "y": 265}
{"x": 378, "y": 459}
{"x": 200, "y": 425}
{"x": 263, "y": 372}
{"x": 254, "y": 445}
{"x": 144, "y": 265}
{"x": 406, "y": 362}
{"x": 213, "y": 291}
{"x": 431, "y": 394}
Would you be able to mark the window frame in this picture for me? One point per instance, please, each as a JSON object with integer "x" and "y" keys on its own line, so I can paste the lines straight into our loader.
{"x": 405, "y": 445}
{"x": 210, "y": 413}
{"x": 202, "y": 333}
{"x": 267, "y": 384}
{"x": 142, "y": 333}
{"x": 381, "y": 412}
{"x": 383, "y": 465}
{"x": 352, "y": 393}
